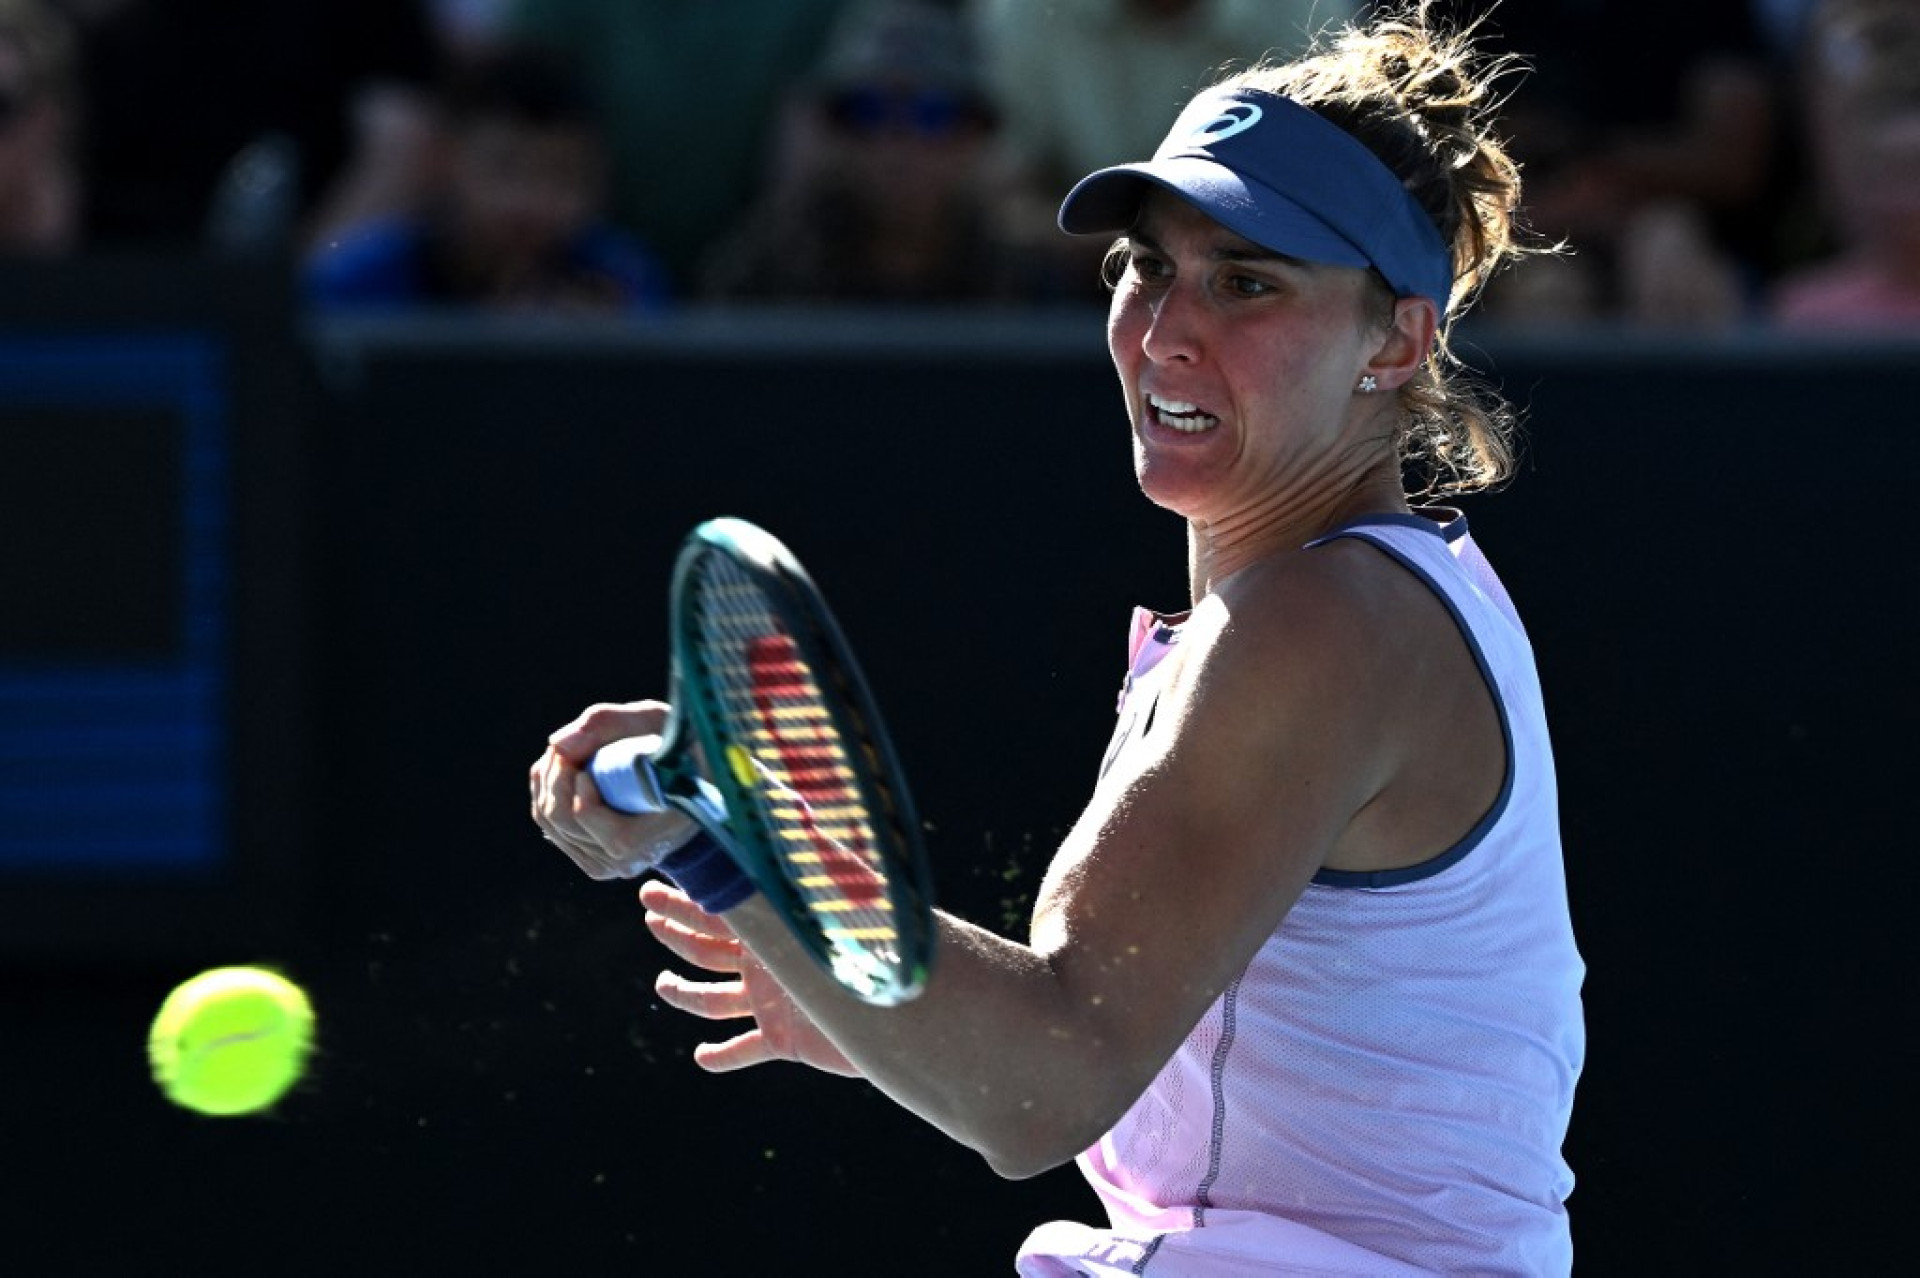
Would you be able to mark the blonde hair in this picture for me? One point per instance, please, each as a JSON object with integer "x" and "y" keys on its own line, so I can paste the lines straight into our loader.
{"x": 1422, "y": 100}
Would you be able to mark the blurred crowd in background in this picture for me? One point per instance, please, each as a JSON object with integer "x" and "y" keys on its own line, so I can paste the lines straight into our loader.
{"x": 1704, "y": 165}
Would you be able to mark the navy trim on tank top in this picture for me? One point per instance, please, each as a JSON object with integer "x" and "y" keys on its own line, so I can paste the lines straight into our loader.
{"x": 1451, "y": 531}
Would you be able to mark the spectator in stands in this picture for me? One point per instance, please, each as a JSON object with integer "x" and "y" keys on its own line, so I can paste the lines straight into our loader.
{"x": 519, "y": 220}
{"x": 878, "y": 192}
{"x": 1086, "y": 83}
{"x": 1668, "y": 194}
{"x": 690, "y": 92}
{"x": 39, "y": 187}
{"x": 1863, "y": 120}
{"x": 468, "y": 30}
{"x": 248, "y": 123}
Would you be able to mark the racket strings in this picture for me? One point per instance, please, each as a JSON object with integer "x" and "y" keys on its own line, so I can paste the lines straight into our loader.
{"x": 788, "y": 754}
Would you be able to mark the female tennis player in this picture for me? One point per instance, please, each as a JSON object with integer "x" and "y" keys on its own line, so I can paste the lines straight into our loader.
{"x": 1301, "y": 992}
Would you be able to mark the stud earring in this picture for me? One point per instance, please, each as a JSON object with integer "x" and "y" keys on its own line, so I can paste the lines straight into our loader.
{"x": 1369, "y": 384}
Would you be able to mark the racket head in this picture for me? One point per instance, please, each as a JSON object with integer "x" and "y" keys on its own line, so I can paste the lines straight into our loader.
{"x": 817, "y": 813}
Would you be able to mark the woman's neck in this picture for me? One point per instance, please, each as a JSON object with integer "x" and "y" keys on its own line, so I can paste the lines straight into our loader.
{"x": 1216, "y": 551}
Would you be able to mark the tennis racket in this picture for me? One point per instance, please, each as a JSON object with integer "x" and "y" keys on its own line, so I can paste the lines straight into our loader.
{"x": 804, "y": 791}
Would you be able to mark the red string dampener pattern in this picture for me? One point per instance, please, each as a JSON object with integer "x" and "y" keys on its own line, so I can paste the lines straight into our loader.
{"x": 784, "y": 751}
{"x": 817, "y": 809}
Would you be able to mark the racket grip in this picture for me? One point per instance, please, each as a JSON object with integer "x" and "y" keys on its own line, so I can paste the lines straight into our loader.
{"x": 623, "y": 771}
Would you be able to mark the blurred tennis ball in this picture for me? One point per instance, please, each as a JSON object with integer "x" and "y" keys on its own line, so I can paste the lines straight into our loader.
{"x": 231, "y": 1040}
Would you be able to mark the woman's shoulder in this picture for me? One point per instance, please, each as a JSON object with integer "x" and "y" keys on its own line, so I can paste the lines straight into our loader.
{"x": 1335, "y": 587}
{"x": 1334, "y": 616}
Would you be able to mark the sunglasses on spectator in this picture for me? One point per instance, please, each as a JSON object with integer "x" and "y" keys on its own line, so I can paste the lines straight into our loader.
{"x": 929, "y": 113}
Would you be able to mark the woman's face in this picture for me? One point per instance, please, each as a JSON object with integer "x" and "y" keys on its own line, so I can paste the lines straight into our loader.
{"x": 1240, "y": 368}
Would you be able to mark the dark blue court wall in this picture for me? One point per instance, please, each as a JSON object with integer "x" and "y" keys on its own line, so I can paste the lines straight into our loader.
{"x": 153, "y": 438}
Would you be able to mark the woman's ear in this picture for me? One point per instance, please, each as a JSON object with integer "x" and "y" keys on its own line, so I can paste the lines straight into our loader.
{"x": 1406, "y": 343}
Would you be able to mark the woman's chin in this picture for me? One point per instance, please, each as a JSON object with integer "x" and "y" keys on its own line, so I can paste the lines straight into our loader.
{"x": 1172, "y": 488}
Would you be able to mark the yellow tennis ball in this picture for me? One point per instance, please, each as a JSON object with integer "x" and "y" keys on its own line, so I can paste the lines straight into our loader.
{"x": 231, "y": 1040}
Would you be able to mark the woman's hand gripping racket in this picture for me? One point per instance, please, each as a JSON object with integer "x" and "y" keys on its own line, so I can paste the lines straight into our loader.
{"x": 805, "y": 792}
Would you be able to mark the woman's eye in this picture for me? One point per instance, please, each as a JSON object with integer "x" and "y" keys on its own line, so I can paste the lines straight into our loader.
{"x": 1149, "y": 268}
{"x": 1248, "y": 286}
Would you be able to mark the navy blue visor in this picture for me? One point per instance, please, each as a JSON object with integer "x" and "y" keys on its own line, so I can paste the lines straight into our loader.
{"x": 1284, "y": 177}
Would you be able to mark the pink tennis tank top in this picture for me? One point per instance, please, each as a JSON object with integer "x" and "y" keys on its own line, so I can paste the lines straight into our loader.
{"x": 1385, "y": 1089}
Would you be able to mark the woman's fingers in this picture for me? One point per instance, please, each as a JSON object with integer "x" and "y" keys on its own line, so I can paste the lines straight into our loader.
{"x": 701, "y": 948}
{"x": 599, "y": 725}
{"x": 718, "y": 1001}
{"x": 663, "y": 898}
{"x": 606, "y": 844}
{"x": 709, "y": 1000}
{"x": 553, "y": 787}
{"x": 739, "y": 1052}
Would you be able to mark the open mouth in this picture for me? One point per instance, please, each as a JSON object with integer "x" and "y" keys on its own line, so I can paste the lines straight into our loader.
{"x": 1177, "y": 414}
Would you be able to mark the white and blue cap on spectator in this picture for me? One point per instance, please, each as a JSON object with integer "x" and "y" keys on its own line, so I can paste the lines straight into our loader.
{"x": 1284, "y": 177}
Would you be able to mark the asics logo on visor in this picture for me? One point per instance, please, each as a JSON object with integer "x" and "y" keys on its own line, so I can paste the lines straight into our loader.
{"x": 1236, "y": 119}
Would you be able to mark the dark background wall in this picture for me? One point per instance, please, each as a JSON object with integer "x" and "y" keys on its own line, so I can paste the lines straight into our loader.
{"x": 478, "y": 524}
